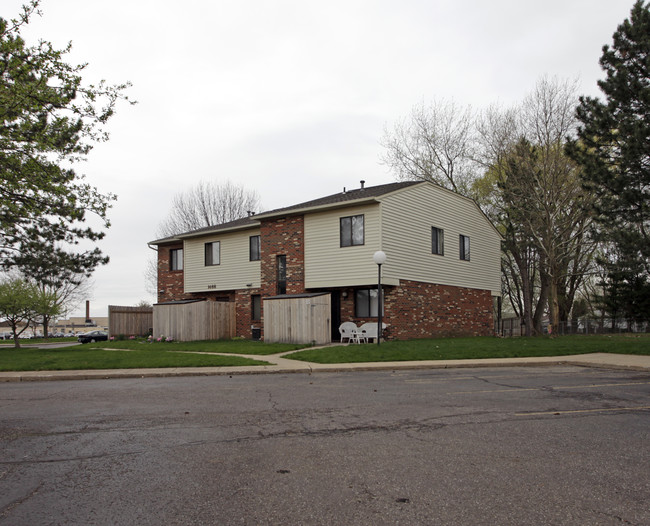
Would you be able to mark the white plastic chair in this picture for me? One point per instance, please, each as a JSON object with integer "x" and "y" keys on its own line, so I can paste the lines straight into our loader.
{"x": 369, "y": 331}
{"x": 348, "y": 331}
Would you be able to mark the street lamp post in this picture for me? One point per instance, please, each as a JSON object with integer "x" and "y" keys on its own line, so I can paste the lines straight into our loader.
{"x": 379, "y": 257}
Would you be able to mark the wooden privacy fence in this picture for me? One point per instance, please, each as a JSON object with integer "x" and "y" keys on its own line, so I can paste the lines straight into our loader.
{"x": 194, "y": 320}
{"x": 129, "y": 321}
{"x": 304, "y": 318}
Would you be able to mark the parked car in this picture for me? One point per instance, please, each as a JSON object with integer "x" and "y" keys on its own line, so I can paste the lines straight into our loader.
{"x": 93, "y": 336}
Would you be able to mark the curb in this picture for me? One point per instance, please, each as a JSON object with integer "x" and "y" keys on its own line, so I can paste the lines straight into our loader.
{"x": 310, "y": 368}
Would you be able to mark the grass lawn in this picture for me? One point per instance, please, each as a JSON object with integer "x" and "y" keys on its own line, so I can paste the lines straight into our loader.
{"x": 472, "y": 348}
{"x": 90, "y": 357}
{"x": 221, "y": 346}
{"x": 32, "y": 341}
{"x": 140, "y": 354}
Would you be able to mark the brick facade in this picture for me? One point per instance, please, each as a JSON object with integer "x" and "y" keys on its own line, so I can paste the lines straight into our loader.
{"x": 412, "y": 310}
{"x": 244, "y": 312}
{"x": 170, "y": 282}
{"x": 427, "y": 310}
{"x": 283, "y": 237}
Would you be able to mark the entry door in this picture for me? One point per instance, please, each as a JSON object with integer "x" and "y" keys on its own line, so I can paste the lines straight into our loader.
{"x": 336, "y": 315}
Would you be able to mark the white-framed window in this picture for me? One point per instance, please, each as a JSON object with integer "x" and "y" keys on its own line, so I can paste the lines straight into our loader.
{"x": 212, "y": 253}
{"x": 176, "y": 259}
{"x": 352, "y": 230}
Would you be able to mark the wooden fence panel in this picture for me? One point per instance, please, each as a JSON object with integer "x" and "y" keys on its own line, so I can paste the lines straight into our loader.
{"x": 298, "y": 320}
{"x": 200, "y": 320}
{"x": 129, "y": 321}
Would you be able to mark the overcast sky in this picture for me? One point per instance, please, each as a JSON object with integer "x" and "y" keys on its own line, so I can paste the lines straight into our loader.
{"x": 290, "y": 98}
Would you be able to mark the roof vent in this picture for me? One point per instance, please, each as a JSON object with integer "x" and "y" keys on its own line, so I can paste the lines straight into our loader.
{"x": 344, "y": 189}
{"x": 250, "y": 213}
{"x": 363, "y": 184}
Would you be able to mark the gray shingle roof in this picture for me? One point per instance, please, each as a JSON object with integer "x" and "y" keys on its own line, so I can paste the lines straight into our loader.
{"x": 342, "y": 197}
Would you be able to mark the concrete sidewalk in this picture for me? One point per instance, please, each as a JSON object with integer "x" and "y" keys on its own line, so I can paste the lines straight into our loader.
{"x": 279, "y": 364}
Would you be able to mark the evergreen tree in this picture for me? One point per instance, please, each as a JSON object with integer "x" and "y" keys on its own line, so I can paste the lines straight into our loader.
{"x": 49, "y": 120}
{"x": 613, "y": 147}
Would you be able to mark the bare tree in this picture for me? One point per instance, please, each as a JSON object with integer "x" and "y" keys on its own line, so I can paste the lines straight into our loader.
{"x": 208, "y": 203}
{"x": 533, "y": 191}
{"x": 435, "y": 143}
{"x": 151, "y": 276}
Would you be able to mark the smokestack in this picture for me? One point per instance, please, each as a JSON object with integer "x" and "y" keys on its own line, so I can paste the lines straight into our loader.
{"x": 87, "y": 311}
{"x": 363, "y": 184}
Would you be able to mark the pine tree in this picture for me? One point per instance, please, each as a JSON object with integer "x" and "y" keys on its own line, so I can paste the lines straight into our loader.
{"x": 613, "y": 147}
{"x": 49, "y": 120}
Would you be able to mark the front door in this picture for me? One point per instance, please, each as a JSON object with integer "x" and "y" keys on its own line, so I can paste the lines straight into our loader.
{"x": 336, "y": 315}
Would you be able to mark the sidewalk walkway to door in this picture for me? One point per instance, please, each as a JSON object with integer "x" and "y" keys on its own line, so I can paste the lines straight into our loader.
{"x": 279, "y": 364}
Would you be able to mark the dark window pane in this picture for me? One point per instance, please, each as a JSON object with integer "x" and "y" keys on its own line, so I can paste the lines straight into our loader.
{"x": 357, "y": 230}
{"x": 464, "y": 247}
{"x": 352, "y": 231}
{"x": 255, "y": 253}
{"x": 176, "y": 259}
{"x": 212, "y": 253}
{"x": 256, "y": 304}
{"x": 282, "y": 274}
{"x": 346, "y": 231}
{"x": 437, "y": 241}
{"x": 366, "y": 303}
{"x": 362, "y": 303}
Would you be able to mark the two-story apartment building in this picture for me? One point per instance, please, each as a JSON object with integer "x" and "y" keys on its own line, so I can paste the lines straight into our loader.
{"x": 441, "y": 276}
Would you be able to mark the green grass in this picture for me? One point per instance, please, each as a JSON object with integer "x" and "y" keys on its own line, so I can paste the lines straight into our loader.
{"x": 32, "y": 341}
{"x": 136, "y": 354}
{"x": 473, "y": 348}
{"x": 221, "y": 346}
{"x": 84, "y": 357}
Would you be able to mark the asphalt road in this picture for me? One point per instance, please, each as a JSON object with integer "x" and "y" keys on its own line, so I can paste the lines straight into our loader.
{"x": 553, "y": 445}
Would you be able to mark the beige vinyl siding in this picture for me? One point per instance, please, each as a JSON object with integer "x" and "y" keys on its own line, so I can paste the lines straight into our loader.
{"x": 235, "y": 271}
{"x": 407, "y": 218}
{"x": 327, "y": 264}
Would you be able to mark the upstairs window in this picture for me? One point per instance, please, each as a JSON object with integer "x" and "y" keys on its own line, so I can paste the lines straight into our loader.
{"x": 464, "y": 247}
{"x": 255, "y": 253}
{"x": 352, "y": 231}
{"x": 212, "y": 253}
{"x": 176, "y": 259}
{"x": 437, "y": 241}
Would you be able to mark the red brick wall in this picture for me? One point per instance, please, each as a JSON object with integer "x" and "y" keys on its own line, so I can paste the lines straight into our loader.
{"x": 170, "y": 282}
{"x": 284, "y": 236}
{"x": 412, "y": 310}
{"x": 244, "y": 312}
{"x": 425, "y": 310}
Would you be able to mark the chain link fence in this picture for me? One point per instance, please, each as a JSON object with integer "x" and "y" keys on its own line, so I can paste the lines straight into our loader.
{"x": 516, "y": 327}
